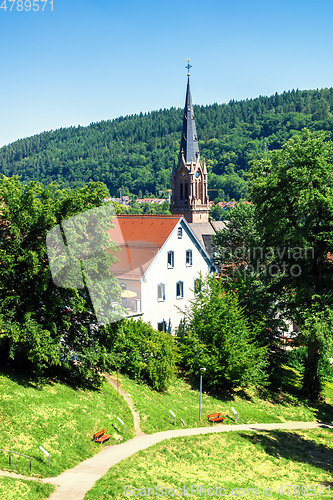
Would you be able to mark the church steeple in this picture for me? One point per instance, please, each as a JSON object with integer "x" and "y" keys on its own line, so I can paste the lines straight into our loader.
{"x": 189, "y": 142}
{"x": 189, "y": 177}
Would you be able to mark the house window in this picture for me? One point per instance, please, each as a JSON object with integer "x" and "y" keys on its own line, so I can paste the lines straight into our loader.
{"x": 180, "y": 233}
{"x": 179, "y": 290}
{"x": 171, "y": 261}
{"x": 161, "y": 326}
{"x": 188, "y": 258}
{"x": 161, "y": 292}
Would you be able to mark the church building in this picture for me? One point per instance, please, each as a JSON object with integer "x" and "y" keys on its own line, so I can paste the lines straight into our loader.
{"x": 190, "y": 181}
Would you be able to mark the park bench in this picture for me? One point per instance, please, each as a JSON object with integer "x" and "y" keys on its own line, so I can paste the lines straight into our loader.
{"x": 100, "y": 436}
{"x": 216, "y": 417}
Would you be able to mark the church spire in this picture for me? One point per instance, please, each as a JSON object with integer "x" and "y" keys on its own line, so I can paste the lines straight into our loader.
{"x": 189, "y": 142}
{"x": 189, "y": 177}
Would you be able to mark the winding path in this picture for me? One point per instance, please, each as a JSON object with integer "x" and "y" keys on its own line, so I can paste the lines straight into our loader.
{"x": 74, "y": 483}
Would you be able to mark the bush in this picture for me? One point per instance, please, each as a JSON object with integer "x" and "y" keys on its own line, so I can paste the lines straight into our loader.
{"x": 142, "y": 353}
{"x": 216, "y": 335}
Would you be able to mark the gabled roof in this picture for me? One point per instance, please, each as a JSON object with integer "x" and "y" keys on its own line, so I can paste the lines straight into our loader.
{"x": 147, "y": 228}
{"x": 140, "y": 237}
{"x": 189, "y": 141}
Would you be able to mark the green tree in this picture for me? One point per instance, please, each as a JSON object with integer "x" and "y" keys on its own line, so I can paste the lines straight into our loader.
{"x": 43, "y": 326}
{"x": 292, "y": 190}
{"x": 216, "y": 335}
{"x": 234, "y": 243}
{"x": 217, "y": 213}
{"x": 237, "y": 254}
{"x": 243, "y": 264}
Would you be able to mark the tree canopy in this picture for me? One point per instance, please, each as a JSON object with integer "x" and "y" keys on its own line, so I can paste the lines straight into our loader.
{"x": 277, "y": 252}
{"x": 44, "y": 326}
{"x": 216, "y": 335}
{"x": 292, "y": 190}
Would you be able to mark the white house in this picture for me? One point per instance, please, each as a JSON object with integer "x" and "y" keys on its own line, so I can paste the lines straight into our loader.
{"x": 159, "y": 260}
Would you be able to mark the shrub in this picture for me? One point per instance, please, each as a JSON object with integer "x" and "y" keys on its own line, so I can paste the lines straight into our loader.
{"x": 142, "y": 353}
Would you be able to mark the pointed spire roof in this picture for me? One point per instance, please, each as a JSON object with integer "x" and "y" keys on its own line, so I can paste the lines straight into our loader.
{"x": 189, "y": 141}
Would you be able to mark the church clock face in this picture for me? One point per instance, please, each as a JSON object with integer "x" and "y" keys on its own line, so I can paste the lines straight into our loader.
{"x": 183, "y": 174}
{"x": 197, "y": 174}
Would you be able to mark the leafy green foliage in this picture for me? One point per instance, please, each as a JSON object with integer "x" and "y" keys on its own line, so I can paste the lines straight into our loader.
{"x": 292, "y": 190}
{"x": 143, "y": 208}
{"x": 234, "y": 243}
{"x": 142, "y": 353}
{"x": 241, "y": 258}
{"x": 244, "y": 266}
{"x": 43, "y": 326}
{"x": 216, "y": 336}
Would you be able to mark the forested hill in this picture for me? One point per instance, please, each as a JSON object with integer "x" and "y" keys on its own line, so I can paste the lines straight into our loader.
{"x": 137, "y": 152}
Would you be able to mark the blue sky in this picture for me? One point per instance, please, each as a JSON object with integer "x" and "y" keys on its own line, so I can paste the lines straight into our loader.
{"x": 92, "y": 60}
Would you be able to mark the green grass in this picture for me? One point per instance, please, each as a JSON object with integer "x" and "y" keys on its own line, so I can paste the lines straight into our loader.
{"x": 59, "y": 418}
{"x": 329, "y": 392}
{"x": 184, "y": 402}
{"x": 229, "y": 460}
{"x": 19, "y": 489}
{"x": 63, "y": 419}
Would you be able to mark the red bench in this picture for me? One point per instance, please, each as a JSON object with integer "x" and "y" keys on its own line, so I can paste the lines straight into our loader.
{"x": 216, "y": 417}
{"x": 100, "y": 436}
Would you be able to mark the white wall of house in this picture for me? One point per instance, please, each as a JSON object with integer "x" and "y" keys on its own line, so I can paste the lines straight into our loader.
{"x": 164, "y": 308}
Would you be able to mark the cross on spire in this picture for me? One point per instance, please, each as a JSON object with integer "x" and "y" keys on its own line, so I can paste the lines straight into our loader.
{"x": 188, "y": 67}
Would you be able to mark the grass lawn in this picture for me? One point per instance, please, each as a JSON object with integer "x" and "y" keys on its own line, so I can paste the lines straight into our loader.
{"x": 184, "y": 402}
{"x": 59, "y": 418}
{"x": 17, "y": 489}
{"x": 243, "y": 463}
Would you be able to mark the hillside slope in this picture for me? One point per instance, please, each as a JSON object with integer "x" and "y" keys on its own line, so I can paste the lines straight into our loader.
{"x": 137, "y": 152}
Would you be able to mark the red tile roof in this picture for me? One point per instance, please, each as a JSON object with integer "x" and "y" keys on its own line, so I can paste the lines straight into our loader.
{"x": 140, "y": 238}
{"x": 144, "y": 228}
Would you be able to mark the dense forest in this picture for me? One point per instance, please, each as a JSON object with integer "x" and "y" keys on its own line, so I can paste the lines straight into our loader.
{"x": 136, "y": 153}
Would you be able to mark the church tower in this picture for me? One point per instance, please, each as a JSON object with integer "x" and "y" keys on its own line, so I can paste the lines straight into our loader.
{"x": 189, "y": 177}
